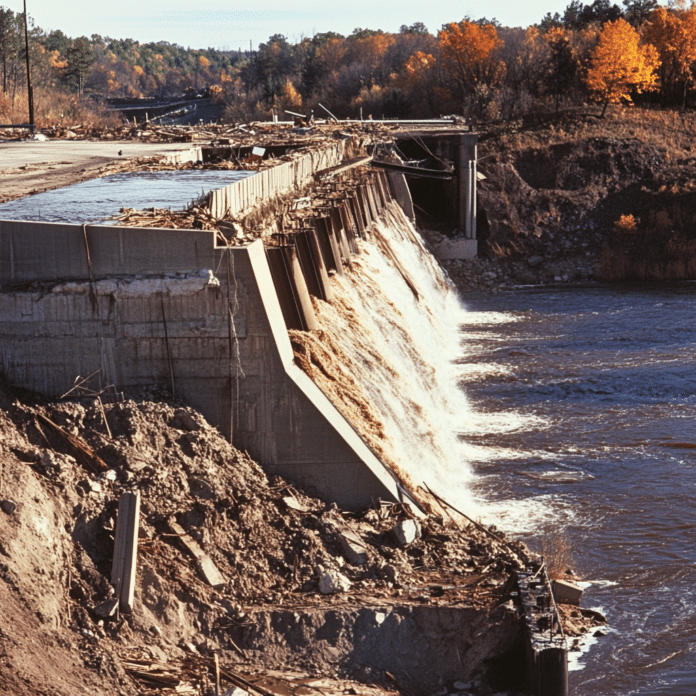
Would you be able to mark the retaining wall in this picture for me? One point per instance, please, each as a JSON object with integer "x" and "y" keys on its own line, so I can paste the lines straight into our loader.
{"x": 137, "y": 327}
{"x": 275, "y": 181}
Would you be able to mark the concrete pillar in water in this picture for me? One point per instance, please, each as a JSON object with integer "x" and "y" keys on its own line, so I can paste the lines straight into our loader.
{"x": 466, "y": 172}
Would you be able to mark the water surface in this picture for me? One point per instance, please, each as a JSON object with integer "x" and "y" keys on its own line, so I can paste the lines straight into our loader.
{"x": 100, "y": 199}
{"x": 584, "y": 421}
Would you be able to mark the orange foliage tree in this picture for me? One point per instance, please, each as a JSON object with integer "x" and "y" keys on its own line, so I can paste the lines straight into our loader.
{"x": 620, "y": 65}
{"x": 468, "y": 54}
{"x": 673, "y": 34}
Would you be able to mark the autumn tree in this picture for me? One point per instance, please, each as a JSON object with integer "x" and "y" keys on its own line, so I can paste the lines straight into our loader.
{"x": 673, "y": 34}
{"x": 468, "y": 52}
{"x": 420, "y": 79}
{"x": 620, "y": 65}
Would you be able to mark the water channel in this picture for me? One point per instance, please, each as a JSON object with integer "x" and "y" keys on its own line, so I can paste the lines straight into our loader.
{"x": 583, "y": 420}
{"x": 97, "y": 200}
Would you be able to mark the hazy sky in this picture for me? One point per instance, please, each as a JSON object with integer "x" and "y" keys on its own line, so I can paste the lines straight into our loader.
{"x": 218, "y": 24}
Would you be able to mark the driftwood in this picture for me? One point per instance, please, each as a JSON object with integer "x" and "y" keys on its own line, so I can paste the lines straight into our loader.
{"x": 79, "y": 449}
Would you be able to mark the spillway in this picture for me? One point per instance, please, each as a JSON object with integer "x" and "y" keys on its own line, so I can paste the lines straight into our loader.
{"x": 324, "y": 348}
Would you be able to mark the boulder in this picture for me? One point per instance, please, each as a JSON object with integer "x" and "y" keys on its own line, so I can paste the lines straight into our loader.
{"x": 407, "y": 532}
{"x": 333, "y": 582}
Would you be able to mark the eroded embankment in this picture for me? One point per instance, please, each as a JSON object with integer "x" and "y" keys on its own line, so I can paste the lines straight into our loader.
{"x": 429, "y": 611}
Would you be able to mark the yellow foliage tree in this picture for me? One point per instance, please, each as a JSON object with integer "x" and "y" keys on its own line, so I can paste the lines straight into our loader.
{"x": 467, "y": 51}
{"x": 673, "y": 34}
{"x": 620, "y": 65}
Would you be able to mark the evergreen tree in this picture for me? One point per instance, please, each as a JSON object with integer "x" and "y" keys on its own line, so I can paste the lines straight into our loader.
{"x": 80, "y": 61}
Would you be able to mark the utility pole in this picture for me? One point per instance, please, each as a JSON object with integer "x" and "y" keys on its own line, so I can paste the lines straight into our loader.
{"x": 30, "y": 89}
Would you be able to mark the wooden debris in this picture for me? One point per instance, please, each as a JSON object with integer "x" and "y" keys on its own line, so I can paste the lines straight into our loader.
{"x": 79, "y": 449}
{"x": 126, "y": 549}
{"x": 208, "y": 570}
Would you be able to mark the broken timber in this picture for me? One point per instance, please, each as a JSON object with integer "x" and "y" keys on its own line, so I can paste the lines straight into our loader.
{"x": 208, "y": 570}
{"x": 546, "y": 647}
{"x": 414, "y": 171}
{"x": 126, "y": 550}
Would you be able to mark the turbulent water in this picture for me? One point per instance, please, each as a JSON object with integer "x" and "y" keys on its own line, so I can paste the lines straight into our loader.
{"x": 394, "y": 324}
{"x": 583, "y": 419}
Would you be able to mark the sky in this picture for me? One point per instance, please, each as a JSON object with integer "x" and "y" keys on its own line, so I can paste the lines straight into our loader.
{"x": 218, "y": 24}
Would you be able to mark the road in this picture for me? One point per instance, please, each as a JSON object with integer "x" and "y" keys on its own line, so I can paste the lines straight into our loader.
{"x": 30, "y": 166}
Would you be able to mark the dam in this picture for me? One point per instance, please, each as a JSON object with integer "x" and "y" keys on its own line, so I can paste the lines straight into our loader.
{"x": 214, "y": 317}
{"x": 299, "y": 311}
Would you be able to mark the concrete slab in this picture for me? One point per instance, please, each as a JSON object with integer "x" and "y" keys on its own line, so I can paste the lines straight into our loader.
{"x": 64, "y": 152}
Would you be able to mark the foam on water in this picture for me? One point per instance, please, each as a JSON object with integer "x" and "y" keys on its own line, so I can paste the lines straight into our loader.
{"x": 407, "y": 341}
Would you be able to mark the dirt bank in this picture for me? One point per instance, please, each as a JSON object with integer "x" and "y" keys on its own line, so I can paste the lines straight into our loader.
{"x": 272, "y": 544}
{"x": 574, "y": 198}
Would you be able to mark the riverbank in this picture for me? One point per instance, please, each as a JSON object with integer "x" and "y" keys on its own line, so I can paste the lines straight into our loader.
{"x": 572, "y": 197}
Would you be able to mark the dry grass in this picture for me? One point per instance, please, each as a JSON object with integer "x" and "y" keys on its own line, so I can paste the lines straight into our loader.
{"x": 557, "y": 553}
{"x": 671, "y": 130}
{"x": 55, "y": 107}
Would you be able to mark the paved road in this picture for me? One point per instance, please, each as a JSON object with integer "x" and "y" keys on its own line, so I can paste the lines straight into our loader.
{"x": 56, "y": 152}
{"x": 31, "y": 166}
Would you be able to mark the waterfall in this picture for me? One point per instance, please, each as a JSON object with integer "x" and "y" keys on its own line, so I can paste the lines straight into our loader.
{"x": 385, "y": 355}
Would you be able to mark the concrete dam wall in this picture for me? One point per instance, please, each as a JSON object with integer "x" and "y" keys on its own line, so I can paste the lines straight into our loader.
{"x": 226, "y": 328}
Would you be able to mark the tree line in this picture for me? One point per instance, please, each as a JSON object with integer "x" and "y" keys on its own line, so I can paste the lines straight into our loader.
{"x": 473, "y": 67}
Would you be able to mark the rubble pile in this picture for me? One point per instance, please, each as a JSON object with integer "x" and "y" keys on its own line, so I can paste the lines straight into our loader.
{"x": 274, "y": 545}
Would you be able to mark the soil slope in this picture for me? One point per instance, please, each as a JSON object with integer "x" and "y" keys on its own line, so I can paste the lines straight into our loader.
{"x": 271, "y": 543}
{"x": 573, "y": 197}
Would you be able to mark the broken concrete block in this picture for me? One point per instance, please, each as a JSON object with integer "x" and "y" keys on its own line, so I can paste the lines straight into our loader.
{"x": 333, "y": 582}
{"x": 354, "y": 550}
{"x": 407, "y": 532}
{"x": 565, "y": 592}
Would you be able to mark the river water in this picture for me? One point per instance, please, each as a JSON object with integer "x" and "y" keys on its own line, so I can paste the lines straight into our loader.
{"x": 582, "y": 419}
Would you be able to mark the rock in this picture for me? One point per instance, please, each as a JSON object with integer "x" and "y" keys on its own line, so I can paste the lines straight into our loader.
{"x": 235, "y": 691}
{"x": 456, "y": 249}
{"x": 526, "y": 278}
{"x": 107, "y": 608}
{"x": 333, "y": 582}
{"x": 292, "y": 503}
{"x": 406, "y": 532}
{"x": 48, "y": 459}
{"x": 391, "y": 574}
{"x": 354, "y": 551}
{"x": 39, "y": 137}
{"x": 534, "y": 261}
{"x": 462, "y": 686}
{"x": 8, "y": 506}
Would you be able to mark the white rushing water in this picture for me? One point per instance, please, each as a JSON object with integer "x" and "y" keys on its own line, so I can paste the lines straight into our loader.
{"x": 405, "y": 343}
